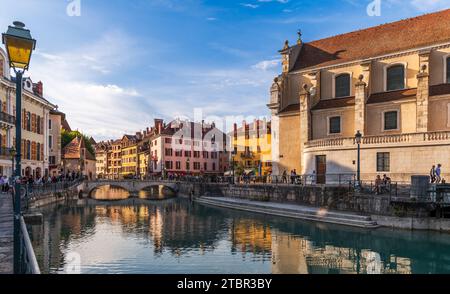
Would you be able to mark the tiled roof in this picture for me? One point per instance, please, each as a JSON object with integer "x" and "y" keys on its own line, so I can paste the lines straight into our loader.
{"x": 73, "y": 149}
{"x": 441, "y": 89}
{"x": 293, "y": 108}
{"x": 406, "y": 34}
{"x": 334, "y": 103}
{"x": 392, "y": 96}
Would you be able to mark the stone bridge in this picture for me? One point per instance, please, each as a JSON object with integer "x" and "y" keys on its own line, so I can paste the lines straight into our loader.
{"x": 132, "y": 186}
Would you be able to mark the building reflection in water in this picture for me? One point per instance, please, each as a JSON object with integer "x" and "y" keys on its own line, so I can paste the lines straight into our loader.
{"x": 177, "y": 236}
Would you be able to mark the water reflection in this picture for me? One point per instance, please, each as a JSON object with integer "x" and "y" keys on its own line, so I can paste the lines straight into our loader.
{"x": 112, "y": 193}
{"x": 174, "y": 236}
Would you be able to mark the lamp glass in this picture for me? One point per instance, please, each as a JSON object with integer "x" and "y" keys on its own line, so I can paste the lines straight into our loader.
{"x": 19, "y": 51}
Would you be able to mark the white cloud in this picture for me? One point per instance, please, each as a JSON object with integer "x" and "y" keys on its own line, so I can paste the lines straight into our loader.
{"x": 249, "y": 5}
{"x": 430, "y": 5}
{"x": 267, "y": 64}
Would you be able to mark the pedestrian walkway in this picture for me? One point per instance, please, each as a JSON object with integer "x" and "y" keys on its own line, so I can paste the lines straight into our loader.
{"x": 6, "y": 234}
{"x": 292, "y": 211}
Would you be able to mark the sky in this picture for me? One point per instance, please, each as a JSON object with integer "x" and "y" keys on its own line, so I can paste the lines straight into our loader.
{"x": 114, "y": 65}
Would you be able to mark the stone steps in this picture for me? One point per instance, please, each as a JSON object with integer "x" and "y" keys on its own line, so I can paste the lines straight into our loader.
{"x": 293, "y": 211}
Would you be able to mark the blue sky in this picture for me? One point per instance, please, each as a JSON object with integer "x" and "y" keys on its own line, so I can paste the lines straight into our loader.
{"x": 122, "y": 63}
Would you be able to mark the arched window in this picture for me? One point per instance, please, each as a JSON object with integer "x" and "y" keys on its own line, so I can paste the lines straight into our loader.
{"x": 395, "y": 78}
{"x": 448, "y": 70}
{"x": 342, "y": 85}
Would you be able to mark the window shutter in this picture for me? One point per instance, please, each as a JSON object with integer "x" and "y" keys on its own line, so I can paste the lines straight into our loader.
{"x": 22, "y": 149}
{"x": 42, "y": 125}
{"x": 4, "y": 106}
{"x": 33, "y": 151}
{"x": 24, "y": 119}
{"x": 33, "y": 123}
{"x": 42, "y": 152}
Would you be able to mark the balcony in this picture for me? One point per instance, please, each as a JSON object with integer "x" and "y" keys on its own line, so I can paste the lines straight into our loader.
{"x": 6, "y": 120}
{"x": 422, "y": 139}
{"x": 5, "y": 153}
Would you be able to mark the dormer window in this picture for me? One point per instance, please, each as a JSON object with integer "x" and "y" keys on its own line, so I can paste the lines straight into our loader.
{"x": 395, "y": 77}
{"x": 342, "y": 85}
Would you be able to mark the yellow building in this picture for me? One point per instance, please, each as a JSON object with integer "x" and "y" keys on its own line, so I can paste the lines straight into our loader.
{"x": 252, "y": 148}
{"x": 390, "y": 82}
{"x": 130, "y": 155}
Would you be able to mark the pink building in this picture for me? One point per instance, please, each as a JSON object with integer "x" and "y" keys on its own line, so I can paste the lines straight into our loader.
{"x": 183, "y": 147}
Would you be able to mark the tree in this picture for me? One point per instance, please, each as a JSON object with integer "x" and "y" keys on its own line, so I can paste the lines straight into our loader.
{"x": 67, "y": 137}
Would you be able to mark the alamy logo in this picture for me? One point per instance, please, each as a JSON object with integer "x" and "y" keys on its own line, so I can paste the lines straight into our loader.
{"x": 374, "y": 8}
{"x": 74, "y": 8}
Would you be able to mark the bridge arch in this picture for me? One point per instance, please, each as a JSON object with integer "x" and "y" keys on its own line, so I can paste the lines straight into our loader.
{"x": 132, "y": 186}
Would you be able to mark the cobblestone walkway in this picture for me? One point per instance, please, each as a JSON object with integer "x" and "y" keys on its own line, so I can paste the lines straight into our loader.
{"x": 6, "y": 234}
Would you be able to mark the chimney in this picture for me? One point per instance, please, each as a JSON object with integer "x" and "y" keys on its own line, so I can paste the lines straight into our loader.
{"x": 158, "y": 125}
{"x": 38, "y": 89}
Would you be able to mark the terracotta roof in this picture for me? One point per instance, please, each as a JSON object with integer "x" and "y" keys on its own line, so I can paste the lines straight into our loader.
{"x": 290, "y": 108}
{"x": 334, "y": 103}
{"x": 73, "y": 150}
{"x": 406, "y": 34}
{"x": 441, "y": 89}
{"x": 392, "y": 96}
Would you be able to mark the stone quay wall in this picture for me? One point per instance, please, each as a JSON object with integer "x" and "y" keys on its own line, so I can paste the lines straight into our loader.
{"x": 340, "y": 198}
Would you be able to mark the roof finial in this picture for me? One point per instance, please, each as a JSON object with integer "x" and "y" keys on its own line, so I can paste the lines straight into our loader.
{"x": 286, "y": 45}
{"x": 299, "y": 40}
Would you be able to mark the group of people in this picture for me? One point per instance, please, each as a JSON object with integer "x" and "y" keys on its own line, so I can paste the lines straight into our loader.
{"x": 293, "y": 178}
{"x": 382, "y": 185}
{"x": 435, "y": 175}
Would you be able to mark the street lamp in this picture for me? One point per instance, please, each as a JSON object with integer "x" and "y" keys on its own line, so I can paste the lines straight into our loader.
{"x": 19, "y": 46}
{"x": 358, "y": 139}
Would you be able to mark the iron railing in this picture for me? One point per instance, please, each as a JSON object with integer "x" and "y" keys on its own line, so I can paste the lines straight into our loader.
{"x": 7, "y": 118}
{"x": 28, "y": 262}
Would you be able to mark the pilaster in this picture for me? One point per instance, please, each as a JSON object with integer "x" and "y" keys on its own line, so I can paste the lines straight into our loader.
{"x": 422, "y": 92}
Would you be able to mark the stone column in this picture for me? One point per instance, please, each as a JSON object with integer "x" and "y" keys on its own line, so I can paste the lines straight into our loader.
{"x": 422, "y": 92}
{"x": 360, "y": 105}
{"x": 305, "y": 121}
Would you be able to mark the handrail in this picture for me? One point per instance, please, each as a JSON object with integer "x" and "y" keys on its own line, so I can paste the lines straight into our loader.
{"x": 28, "y": 258}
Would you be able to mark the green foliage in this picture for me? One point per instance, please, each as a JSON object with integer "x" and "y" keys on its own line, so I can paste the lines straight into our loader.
{"x": 67, "y": 137}
{"x": 239, "y": 169}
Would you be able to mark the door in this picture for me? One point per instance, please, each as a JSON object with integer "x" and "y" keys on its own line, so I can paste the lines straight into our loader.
{"x": 321, "y": 168}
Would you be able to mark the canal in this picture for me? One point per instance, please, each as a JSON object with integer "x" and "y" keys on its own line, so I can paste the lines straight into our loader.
{"x": 118, "y": 234}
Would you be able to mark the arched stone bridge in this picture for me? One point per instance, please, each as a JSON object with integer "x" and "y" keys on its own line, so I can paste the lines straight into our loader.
{"x": 132, "y": 186}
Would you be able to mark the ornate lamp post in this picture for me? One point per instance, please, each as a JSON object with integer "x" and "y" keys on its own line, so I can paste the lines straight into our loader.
{"x": 19, "y": 46}
{"x": 358, "y": 139}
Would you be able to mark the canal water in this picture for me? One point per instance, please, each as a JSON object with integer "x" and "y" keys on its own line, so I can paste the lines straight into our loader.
{"x": 173, "y": 236}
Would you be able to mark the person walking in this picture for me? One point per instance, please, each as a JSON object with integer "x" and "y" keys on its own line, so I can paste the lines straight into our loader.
{"x": 438, "y": 174}
{"x": 433, "y": 174}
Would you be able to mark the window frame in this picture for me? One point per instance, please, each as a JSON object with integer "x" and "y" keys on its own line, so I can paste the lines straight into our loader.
{"x": 384, "y": 169}
{"x": 446, "y": 76}
{"x": 335, "y": 76}
{"x": 329, "y": 133}
{"x": 405, "y": 75}
{"x": 383, "y": 121}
